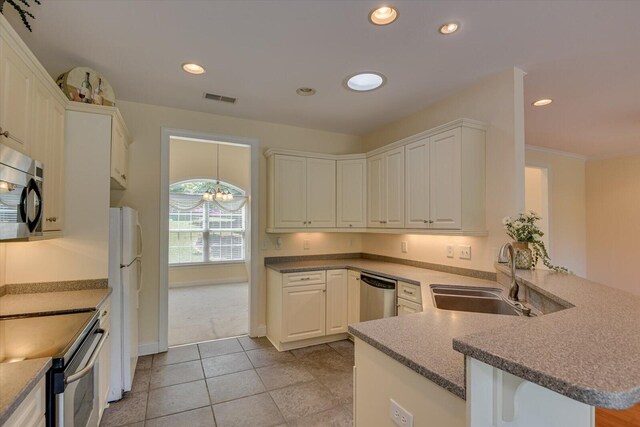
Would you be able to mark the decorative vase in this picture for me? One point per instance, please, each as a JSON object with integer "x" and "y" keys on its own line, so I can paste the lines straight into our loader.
{"x": 524, "y": 256}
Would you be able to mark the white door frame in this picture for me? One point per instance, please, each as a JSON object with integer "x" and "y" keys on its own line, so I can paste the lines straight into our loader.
{"x": 254, "y": 204}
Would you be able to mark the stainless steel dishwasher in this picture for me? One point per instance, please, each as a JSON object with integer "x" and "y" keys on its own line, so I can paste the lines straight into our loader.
{"x": 377, "y": 297}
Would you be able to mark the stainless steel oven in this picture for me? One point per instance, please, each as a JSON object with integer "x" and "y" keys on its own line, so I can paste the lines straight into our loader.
{"x": 77, "y": 405}
{"x": 21, "y": 180}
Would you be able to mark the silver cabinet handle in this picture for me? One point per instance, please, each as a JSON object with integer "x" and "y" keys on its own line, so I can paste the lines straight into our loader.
{"x": 430, "y": 222}
{"x": 426, "y": 221}
{"x": 407, "y": 291}
{"x": 305, "y": 278}
{"x": 92, "y": 361}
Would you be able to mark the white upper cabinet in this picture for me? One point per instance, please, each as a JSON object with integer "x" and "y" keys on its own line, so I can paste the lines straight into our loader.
{"x": 432, "y": 183}
{"x": 385, "y": 189}
{"x": 394, "y": 183}
{"x": 445, "y": 188}
{"x": 290, "y": 191}
{"x": 16, "y": 99}
{"x": 352, "y": 193}
{"x": 302, "y": 192}
{"x": 417, "y": 213}
{"x": 119, "y": 155}
{"x": 375, "y": 191}
{"x": 321, "y": 193}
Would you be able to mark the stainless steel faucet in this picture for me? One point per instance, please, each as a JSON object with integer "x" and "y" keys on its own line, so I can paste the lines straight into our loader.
{"x": 508, "y": 254}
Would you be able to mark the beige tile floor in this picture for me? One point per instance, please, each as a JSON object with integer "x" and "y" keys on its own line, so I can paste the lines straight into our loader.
{"x": 208, "y": 312}
{"x": 241, "y": 382}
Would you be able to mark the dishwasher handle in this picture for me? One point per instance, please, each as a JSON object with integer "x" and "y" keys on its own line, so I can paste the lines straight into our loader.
{"x": 379, "y": 283}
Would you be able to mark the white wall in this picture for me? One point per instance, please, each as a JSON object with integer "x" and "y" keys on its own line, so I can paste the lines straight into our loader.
{"x": 498, "y": 101}
{"x": 193, "y": 159}
{"x": 613, "y": 227}
{"x": 145, "y": 123}
{"x": 567, "y": 206}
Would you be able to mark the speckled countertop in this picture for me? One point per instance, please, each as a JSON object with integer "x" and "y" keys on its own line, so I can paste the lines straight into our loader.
{"x": 16, "y": 382}
{"x": 18, "y": 379}
{"x": 44, "y": 303}
{"x": 588, "y": 352}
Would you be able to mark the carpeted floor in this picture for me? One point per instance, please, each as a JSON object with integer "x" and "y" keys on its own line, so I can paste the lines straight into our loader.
{"x": 209, "y": 312}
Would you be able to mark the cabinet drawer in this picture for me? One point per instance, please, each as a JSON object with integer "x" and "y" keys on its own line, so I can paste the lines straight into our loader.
{"x": 305, "y": 278}
{"x": 407, "y": 307}
{"x": 409, "y": 292}
{"x": 31, "y": 411}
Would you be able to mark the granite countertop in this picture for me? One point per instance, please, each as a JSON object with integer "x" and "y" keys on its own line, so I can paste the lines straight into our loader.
{"x": 16, "y": 382}
{"x": 44, "y": 303}
{"x": 588, "y": 352}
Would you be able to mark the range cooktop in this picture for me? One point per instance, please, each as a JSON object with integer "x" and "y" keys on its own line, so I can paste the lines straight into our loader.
{"x": 54, "y": 336}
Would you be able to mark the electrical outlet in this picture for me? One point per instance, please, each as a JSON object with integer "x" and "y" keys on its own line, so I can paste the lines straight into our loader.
{"x": 449, "y": 251}
{"x": 350, "y": 243}
{"x": 400, "y": 416}
{"x": 464, "y": 251}
{"x": 265, "y": 243}
{"x": 306, "y": 244}
{"x": 405, "y": 247}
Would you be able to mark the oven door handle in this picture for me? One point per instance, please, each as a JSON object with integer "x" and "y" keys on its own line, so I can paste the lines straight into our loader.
{"x": 92, "y": 360}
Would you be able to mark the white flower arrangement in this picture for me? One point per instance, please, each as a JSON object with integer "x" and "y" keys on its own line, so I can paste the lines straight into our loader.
{"x": 524, "y": 229}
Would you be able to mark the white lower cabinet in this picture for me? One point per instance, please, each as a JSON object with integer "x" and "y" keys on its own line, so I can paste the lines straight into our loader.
{"x": 353, "y": 290}
{"x": 104, "y": 361}
{"x": 409, "y": 299}
{"x": 31, "y": 411}
{"x": 301, "y": 311}
{"x": 407, "y": 307}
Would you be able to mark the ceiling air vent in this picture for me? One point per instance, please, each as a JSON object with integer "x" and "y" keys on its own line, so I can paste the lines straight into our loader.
{"x": 221, "y": 98}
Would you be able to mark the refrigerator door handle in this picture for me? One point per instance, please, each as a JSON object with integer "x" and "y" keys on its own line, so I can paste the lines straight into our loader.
{"x": 140, "y": 245}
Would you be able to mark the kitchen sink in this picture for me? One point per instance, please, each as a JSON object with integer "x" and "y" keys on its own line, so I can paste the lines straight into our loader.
{"x": 476, "y": 299}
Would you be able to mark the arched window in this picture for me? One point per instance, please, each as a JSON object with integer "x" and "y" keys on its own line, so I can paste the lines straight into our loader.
{"x": 205, "y": 233}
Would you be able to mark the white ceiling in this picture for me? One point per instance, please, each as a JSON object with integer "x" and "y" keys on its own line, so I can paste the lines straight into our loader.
{"x": 583, "y": 54}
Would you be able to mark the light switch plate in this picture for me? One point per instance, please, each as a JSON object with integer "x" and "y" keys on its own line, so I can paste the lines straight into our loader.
{"x": 464, "y": 251}
{"x": 306, "y": 244}
{"x": 405, "y": 247}
{"x": 449, "y": 251}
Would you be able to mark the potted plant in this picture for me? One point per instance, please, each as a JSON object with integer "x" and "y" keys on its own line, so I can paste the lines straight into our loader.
{"x": 21, "y": 7}
{"x": 528, "y": 244}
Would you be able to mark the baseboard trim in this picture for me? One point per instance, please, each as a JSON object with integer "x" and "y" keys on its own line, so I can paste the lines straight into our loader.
{"x": 145, "y": 349}
{"x": 227, "y": 281}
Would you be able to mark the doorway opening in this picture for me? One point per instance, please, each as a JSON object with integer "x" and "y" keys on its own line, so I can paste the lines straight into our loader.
{"x": 206, "y": 238}
{"x": 537, "y": 196}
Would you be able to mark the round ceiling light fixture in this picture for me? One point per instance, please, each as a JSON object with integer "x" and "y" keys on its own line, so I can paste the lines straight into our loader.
{"x": 193, "y": 68}
{"x": 384, "y": 15}
{"x": 305, "y": 91}
{"x": 542, "y": 102}
{"x": 449, "y": 28}
{"x": 365, "y": 81}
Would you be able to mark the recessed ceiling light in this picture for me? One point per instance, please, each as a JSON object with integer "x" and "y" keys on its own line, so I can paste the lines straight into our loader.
{"x": 306, "y": 91}
{"x": 193, "y": 68}
{"x": 364, "y": 82}
{"x": 449, "y": 28}
{"x": 542, "y": 102}
{"x": 384, "y": 15}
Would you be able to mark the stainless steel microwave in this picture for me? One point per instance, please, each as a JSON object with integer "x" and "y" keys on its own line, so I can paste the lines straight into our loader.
{"x": 21, "y": 200}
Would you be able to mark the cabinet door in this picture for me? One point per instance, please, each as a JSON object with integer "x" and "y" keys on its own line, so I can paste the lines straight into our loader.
{"x": 445, "y": 172}
{"x": 54, "y": 170}
{"x": 375, "y": 189}
{"x": 321, "y": 193}
{"x": 337, "y": 302}
{"x": 353, "y": 285}
{"x": 119, "y": 155}
{"x": 16, "y": 99}
{"x": 104, "y": 368}
{"x": 394, "y": 183}
{"x": 303, "y": 312}
{"x": 417, "y": 184}
{"x": 290, "y": 192}
{"x": 352, "y": 193}
{"x": 408, "y": 307}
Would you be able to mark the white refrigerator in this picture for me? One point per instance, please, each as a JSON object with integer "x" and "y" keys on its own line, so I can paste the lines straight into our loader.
{"x": 125, "y": 278}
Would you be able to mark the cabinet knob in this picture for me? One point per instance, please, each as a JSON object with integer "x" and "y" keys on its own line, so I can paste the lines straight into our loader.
{"x": 430, "y": 222}
{"x": 124, "y": 176}
{"x": 426, "y": 221}
{"x": 309, "y": 222}
{"x": 54, "y": 219}
{"x": 350, "y": 225}
{"x": 5, "y": 133}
